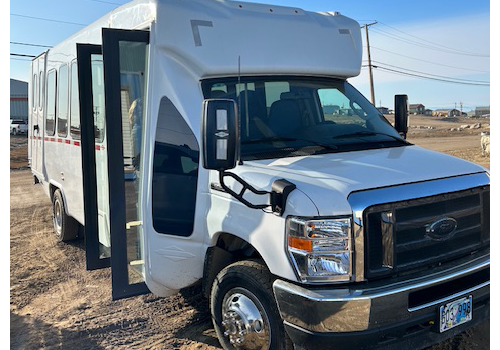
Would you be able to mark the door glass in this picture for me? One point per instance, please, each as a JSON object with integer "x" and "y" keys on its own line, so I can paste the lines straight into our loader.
{"x": 133, "y": 71}
{"x": 101, "y": 156}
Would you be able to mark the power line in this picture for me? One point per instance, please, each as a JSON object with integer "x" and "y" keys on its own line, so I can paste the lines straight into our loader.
{"x": 22, "y": 55}
{"x": 20, "y": 59}
{"x": 412, "y": 42}
{"x": 427, "y": 41}
{"x": 29, "y": 44}
{"x": 47, "y": 19}
{"x": 418, "y": 59}
{"x": 433, "y": 75}
{"x": 393, "y": 71}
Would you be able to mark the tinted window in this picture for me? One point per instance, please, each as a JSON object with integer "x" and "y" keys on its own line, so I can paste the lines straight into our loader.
{"x": 175, "y": 173}
{"x": 75, "y": 105}
{"x": 50, "y": 113}
{"x": 62, "y": 102}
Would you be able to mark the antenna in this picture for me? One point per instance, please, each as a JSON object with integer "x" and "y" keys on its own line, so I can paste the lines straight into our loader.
{"x": 239, "y": 84}
{"x": 240, "y": 162}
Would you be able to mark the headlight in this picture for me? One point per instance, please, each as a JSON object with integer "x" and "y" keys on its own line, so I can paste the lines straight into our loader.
{"x": 320, "y": 249}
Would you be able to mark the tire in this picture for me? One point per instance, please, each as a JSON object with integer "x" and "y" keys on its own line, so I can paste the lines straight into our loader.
{"x": 243, "y": 283}
{"x": 65, "y": 227}
{"x": 15, "y": 131}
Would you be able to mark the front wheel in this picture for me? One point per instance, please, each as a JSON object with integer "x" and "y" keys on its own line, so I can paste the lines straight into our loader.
{"x": 244, "y": 311}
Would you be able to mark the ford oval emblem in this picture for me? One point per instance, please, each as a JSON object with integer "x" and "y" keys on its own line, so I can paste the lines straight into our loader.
{"x": 441, "y": 229}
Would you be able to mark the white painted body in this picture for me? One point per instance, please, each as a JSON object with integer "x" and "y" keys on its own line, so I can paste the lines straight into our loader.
{"x": 282, "y": 41}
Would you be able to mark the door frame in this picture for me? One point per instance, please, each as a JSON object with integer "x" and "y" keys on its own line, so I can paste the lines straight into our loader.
{"x": 116, "y": 174}
{"x": 91, "y": 228}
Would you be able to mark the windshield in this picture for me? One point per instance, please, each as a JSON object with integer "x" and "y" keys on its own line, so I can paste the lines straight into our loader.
{"x": 291, "y": 116}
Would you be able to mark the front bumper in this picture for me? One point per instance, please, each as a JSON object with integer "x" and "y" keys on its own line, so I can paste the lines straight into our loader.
{"x": 382, "y": 314}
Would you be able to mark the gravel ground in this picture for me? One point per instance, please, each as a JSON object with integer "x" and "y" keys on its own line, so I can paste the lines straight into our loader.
{"x": 57, "y": 304}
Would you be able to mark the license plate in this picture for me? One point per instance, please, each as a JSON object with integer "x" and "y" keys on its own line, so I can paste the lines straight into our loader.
{"x": 455, "y": 313}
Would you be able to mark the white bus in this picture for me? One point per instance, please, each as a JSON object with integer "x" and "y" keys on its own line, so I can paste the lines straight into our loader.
{"x": 220, "y": 141}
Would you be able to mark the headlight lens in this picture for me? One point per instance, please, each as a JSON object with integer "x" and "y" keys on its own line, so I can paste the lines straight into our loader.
{"x": 320, "y": 249}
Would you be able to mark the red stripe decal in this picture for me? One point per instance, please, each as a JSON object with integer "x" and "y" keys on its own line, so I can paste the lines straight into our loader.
{"x": 68, "y": 141}
{"x": 60, "y": 140}
{"x": 77, "y": 143}
{"x": 46, "y": 139}
{"x": 53, "y": 139}
{"x": 98, "y": 147}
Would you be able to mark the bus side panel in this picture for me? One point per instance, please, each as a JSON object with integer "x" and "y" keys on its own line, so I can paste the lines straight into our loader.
{"x": 62, "y": 154}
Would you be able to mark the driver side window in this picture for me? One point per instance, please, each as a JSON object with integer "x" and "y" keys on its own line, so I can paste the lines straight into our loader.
{"x": 337, "y": 108}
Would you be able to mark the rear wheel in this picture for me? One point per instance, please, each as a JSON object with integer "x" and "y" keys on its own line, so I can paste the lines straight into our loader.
{"x": 14, "y": 131}
{"x": 65, "y": 227}
{"x": 244, "y": 311}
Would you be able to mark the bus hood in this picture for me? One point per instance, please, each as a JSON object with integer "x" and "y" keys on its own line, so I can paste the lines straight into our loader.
{"x": 328, "y": 179}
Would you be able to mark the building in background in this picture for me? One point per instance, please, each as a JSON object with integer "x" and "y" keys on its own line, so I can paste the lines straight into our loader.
{"x": 331, "y": 109}
{"x": 383, "y": 110}
{"x": 428, "y": 112}
{"x": 417, "y": 108}
{"x": 18, "y": 99}
{"x": 446, "y": 113}
{"x": 482, "y": 111}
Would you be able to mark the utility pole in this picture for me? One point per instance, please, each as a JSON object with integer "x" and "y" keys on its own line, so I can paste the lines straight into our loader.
{"x": 372, "y": 89}
{"x": 461, "y": 108}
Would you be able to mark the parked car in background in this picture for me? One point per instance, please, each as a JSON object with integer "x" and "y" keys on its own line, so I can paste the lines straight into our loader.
{"x": 18, "y": 127}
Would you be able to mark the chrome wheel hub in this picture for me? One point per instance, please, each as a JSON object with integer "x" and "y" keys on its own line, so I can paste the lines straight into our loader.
{"x": 58, "y": 217}
{"x": 245, "y": 321}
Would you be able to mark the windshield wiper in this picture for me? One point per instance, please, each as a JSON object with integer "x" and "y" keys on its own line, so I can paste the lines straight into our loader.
{"x": 278, "y": 138}
{"x": 370, "y": 133}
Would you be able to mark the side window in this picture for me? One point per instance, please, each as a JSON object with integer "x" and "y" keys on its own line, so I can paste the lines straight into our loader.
{"x": 50, "y": 111}
{"x": 175, "y": 173}
{"x": 337, "y": 108}
{"x": 40, "y": 91}
{"x": 62, "y": 102}
{"x": 34, "y": 92}
{"x": 75, "y": 103}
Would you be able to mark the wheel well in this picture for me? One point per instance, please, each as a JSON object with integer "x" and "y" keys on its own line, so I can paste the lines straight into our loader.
{"x": 228, "y": 249}
{"x": 52, "y": 190}
{"x": 237, "y": 246}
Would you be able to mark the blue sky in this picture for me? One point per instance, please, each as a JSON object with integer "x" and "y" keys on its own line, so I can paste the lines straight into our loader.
{"x": 459, "y": 25}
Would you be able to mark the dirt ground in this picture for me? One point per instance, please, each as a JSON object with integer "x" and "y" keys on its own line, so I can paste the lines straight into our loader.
{"x": 57, "y": 304}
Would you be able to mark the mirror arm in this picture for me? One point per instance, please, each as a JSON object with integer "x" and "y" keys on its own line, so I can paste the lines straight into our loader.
{"x": 246, "y": 186}
{"x": 278, "y": 196}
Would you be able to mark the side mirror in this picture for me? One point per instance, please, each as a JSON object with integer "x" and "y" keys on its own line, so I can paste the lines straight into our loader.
{"x": 401, "y": 114}
{"x": 220, "y": 134}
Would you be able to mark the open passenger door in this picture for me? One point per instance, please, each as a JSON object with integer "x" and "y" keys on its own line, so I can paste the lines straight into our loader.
{"x": 112, "y": 85}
